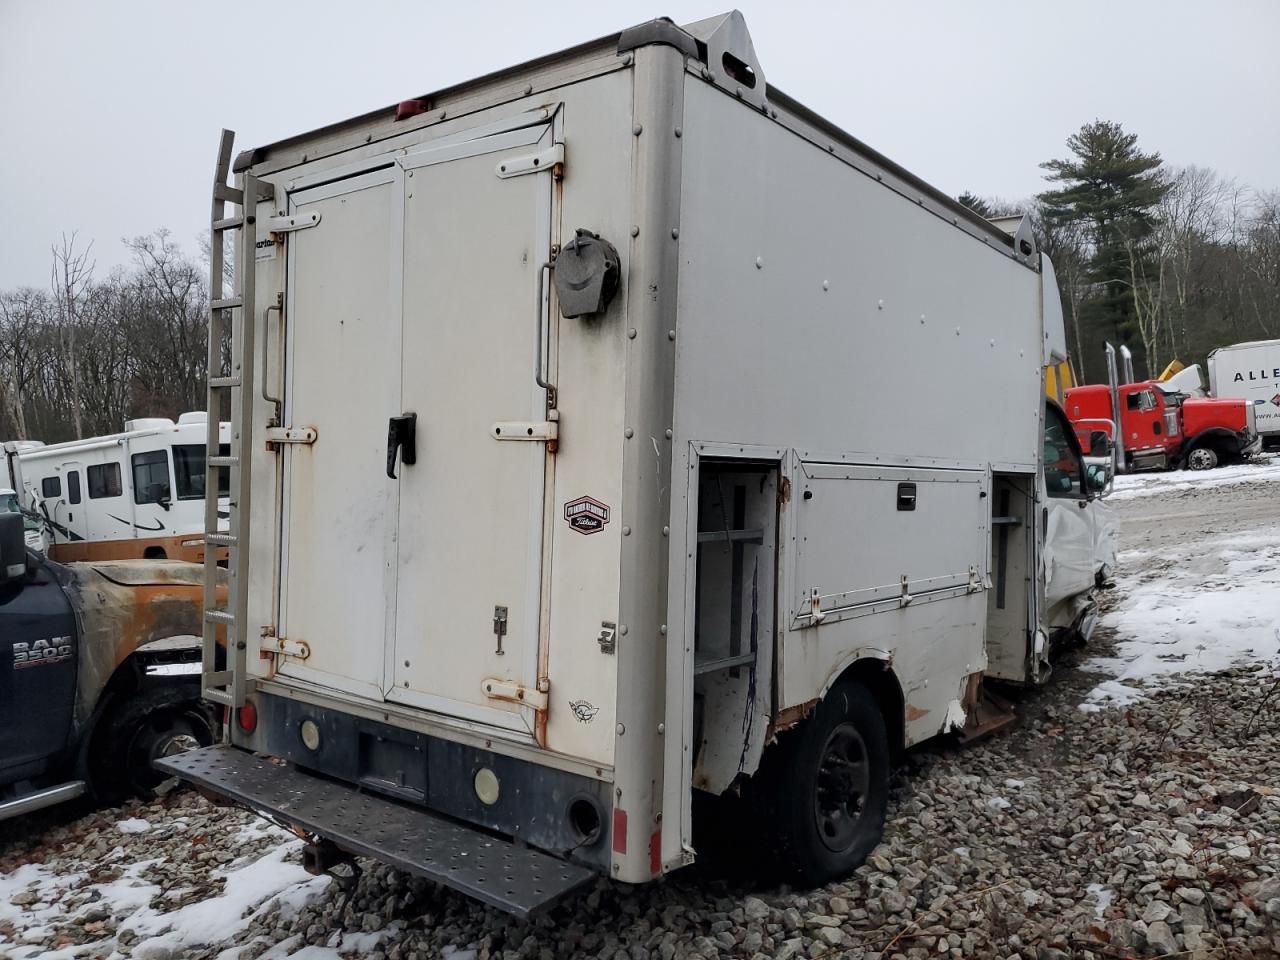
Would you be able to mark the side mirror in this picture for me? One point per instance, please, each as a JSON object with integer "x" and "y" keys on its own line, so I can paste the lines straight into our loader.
{"x": 158, "y": 493}
{"x": 1098, "y": 476}
{"x": 13, "y": 548}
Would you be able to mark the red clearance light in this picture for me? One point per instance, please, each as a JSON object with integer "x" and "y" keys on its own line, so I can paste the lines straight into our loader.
{"x": 247, "y": 718}
{"x": 410, "y": 108}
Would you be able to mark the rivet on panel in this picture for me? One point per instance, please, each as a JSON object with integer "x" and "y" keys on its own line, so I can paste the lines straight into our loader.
{"x": 623, "y": 629}
{"x": 679, "y": 132}
{"x": 663, "y": 629}
{"x": 628, "y": 433}
{"x": 528, "y": 89}
{"x": 671, "y": 334}
{"x": 669, "y": 434}
{"x": 620, "y": 729}
{"x": 957, "y": 331}
{"x": 879, "y": 304}
{"x": 826, "y": 284}
{"x": 759, "y": 263}
{"x": 638, "y": 129}
{"x": 635, "y": 231}
{"x": 675, "y": 233}
{"x": 631, "y": 334}
{"x": 626, "y": 531}
{"x": 662, "y": 728}
{"x": 626, "y": 61}
{"x": 666, "y": 531}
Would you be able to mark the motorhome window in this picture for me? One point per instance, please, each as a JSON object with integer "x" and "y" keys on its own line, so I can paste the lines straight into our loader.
{"x": 1062, "y": 471}
{"x": 151, "y": 477}
{"x": 51, "y": 487}
{"x": 189, "y": 473}
{"x": 104, "y": 481}
{"x": 73, "y": 486}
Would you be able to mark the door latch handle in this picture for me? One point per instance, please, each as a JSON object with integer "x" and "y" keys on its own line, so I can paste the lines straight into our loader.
{"x": 402, "y": 439}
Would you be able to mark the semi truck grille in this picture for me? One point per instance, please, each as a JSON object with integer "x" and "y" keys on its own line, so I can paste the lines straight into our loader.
{"x": 520, "y": 880}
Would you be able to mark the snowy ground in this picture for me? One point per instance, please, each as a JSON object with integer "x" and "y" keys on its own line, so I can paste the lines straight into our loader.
{"x": 1134, "y": 810}
{"x": 1204, "y": 604}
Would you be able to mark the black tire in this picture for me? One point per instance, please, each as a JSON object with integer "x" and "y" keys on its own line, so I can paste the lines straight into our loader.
{"x": 1203, "y": 457}
{"x": 826, "y": 787}
{"x": 141, "y": 728}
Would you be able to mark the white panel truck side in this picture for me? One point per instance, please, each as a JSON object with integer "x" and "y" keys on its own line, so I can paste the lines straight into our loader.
{"x": 586, "y": 472}
{"x": 1250, "y": 371}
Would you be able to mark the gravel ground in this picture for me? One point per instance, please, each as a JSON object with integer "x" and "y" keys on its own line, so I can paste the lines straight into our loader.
{"x": 1147, "y": 830}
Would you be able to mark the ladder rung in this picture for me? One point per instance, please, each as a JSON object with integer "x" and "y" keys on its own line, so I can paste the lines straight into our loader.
{"x": 218, "y": 696}
{"x": 227, "y": 303}
{"x": 229, "y": 223}
{"x": 219, "y": 616}
{"x": 222, "y": 191}
{"x": 220, "y": 539}
{"x": 223, "y": 462}
{"x": 223, "y": 383}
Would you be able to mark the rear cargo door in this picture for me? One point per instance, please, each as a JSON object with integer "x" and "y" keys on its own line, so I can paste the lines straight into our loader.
{"x": 477, "y": 232}
{"x": 342, "y": 378}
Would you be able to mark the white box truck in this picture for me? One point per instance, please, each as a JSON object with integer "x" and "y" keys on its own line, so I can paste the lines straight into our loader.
{"x": 585, "y": 455}
{"x": 1250, "y": 371}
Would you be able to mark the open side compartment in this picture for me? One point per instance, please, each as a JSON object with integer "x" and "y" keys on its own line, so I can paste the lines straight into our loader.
{"x": 734, "y": 617}
{"x": 1010, "y": 618}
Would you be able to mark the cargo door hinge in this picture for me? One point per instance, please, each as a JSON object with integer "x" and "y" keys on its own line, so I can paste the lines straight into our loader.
{"x": 287, "y": 224}
{"x": 551, "y": 159}
{"x": 514, "y": 692}
{"x": 270, "y": 645}
{"x": 548, "y": 429}
{"x": 280, "y": 435}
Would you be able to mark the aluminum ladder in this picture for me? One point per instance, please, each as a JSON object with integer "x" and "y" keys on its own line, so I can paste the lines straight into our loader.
{"x": 231, "y": 322}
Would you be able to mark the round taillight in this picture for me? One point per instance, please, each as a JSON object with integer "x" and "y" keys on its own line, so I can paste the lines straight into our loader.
{"x": 247, "y": 718}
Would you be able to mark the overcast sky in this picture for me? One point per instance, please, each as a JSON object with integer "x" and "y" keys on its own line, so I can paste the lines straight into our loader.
{"x": 110, "y": 112}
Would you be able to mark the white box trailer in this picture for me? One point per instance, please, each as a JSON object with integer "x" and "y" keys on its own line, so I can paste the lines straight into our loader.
{"x": 596, "y": 462}
{"x": 1250, "y": 371}
{"x": 135, "y": 494}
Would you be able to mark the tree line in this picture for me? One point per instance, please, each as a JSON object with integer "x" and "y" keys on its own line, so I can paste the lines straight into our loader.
{"x": 1170, "y": 261}
{"x": 83, "y": 355}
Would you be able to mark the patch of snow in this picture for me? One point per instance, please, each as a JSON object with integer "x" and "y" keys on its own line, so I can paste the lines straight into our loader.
{"x": 1261, "y": 469}
{"x": 1103, "y": 896}
{"x": 456, "y": 953}
{"x": 998, "y": 803}
{"x": 1031, "y": 898}
{"x": 133, "y": 825}
{"x": 1200, "y": 612}
{"x": 1013, "y": 784}
{"x": 962, "y": 851}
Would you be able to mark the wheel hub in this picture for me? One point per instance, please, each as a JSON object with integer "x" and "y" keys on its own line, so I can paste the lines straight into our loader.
{"x": 843, "y": 782}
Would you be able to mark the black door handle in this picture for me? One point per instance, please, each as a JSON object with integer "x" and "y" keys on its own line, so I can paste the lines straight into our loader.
{"x": 402, "y": 438}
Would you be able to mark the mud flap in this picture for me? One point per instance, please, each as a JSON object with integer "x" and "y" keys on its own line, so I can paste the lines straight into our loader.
{"x": 519, "y": 880}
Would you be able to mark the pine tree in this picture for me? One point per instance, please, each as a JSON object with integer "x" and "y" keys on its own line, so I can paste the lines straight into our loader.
{"x": 1112, "y": 188}
{"x": 974, "y": 203}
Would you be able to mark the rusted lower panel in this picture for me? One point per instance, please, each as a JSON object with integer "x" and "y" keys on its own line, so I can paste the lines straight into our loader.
{"x": 188, "y": 547}
{"x": 786, "y": 719}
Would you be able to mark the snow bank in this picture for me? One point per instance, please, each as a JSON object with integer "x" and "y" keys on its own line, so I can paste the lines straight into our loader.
{"x": 1206, "y": 611}
{"x": 1261, "y": 469}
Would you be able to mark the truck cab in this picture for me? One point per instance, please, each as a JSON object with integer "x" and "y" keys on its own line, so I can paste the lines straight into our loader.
{"x": 1160, "y": 429}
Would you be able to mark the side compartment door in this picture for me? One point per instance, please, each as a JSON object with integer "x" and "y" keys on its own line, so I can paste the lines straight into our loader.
{"x": 478, "y": 230}
{"x": 338, "y": 508}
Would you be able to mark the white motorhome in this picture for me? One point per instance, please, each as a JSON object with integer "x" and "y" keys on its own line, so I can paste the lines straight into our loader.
{"x": 581, "y": 461}
{"x": 1250, "y": 371}
{"x": 135, "y": 494}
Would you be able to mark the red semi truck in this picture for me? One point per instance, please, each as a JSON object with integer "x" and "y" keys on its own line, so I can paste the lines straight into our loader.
{"x": 1159, "y": 430}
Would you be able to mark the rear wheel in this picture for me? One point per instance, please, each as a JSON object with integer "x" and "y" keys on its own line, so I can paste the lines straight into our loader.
{"x": 828, "y": 785}
{"x": 1202, "y": 458}
{"x": 142, "y": 729}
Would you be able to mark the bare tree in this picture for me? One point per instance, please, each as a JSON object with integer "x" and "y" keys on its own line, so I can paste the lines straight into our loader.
{"x": 71, "y": 275}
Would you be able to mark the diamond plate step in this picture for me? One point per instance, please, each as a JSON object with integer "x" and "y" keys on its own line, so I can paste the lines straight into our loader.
{"x": 519, "y": 880}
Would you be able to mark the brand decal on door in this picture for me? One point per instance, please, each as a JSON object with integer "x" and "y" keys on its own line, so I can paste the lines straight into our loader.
{"x": 586, "y": 515}
{"x": 584, "y": 711}
{"x": 41, "y": 653}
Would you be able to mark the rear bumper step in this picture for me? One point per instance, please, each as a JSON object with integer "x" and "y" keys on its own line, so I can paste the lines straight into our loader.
{"x": 520, "y": 880}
